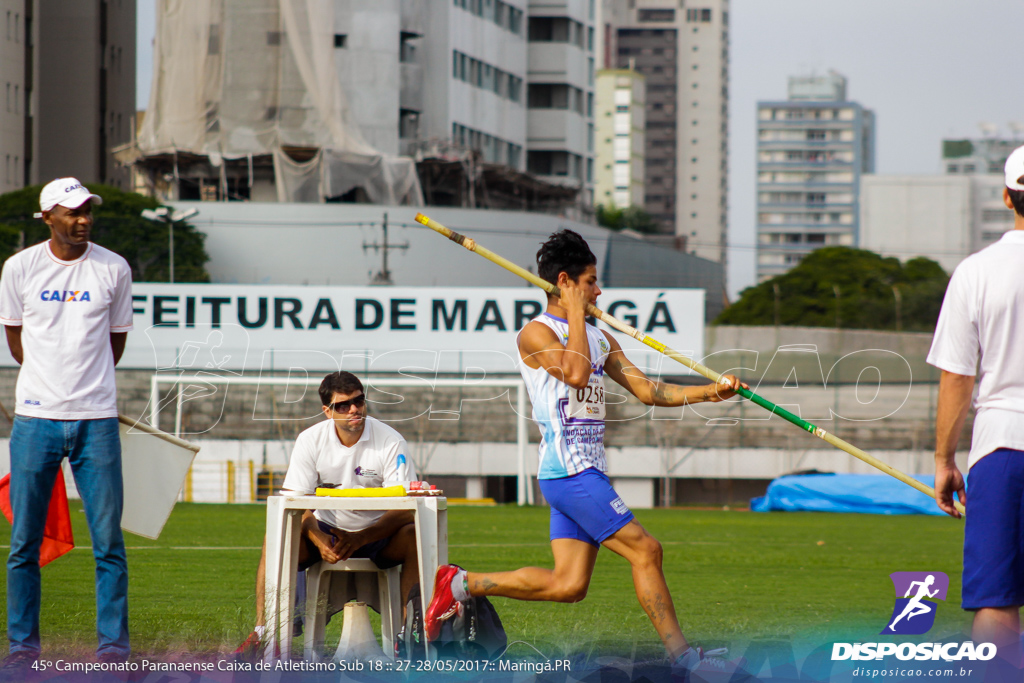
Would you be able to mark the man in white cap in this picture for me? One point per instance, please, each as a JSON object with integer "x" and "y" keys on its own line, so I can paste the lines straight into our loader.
{"x": 66, "y": 306}
{"x": 978, "y": 334}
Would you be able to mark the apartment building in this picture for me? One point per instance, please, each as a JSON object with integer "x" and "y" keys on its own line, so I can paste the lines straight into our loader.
{"x": 683, "y": 53}
{"x": 811, "y": 152}
{"x": 619, "y": 138}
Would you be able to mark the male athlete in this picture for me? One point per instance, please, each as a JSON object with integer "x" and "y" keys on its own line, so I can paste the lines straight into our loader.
{"x": 564, "y": 362}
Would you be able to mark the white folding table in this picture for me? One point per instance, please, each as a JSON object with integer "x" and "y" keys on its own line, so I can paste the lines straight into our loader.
{"x": 284, "y": 527}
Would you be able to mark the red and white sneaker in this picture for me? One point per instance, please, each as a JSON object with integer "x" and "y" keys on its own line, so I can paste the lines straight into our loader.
{"x": 443, "y": 605}
{"x": 257, "y": 647}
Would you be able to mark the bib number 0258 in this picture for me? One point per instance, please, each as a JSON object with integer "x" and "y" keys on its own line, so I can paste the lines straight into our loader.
{"x": 588, "y": 403}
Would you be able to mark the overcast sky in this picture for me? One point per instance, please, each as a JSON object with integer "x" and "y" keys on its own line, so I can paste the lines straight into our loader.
{"x": 928, "y": 68}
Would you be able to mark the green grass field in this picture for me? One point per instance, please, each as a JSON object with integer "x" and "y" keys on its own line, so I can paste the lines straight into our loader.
{"x": 734, "y": 576}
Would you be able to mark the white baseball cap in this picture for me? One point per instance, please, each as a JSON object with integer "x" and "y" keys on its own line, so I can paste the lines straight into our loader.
{"x": 1015, "y": 169}
{"x": 66, "y": 192}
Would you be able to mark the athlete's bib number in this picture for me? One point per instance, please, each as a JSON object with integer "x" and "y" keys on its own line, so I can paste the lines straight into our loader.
{"x": 588, "y": 403}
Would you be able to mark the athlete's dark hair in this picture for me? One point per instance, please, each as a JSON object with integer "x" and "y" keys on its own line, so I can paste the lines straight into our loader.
{"x": 1017, "y": 198}
{"x": 339, "y": 383}
{"x": 564, "y": 252}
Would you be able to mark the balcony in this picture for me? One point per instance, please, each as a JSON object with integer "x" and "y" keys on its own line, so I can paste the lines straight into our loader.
{"x": 556, "y": 129}
{"x": 557, "y": 63}
{"x": 410, "y": 95}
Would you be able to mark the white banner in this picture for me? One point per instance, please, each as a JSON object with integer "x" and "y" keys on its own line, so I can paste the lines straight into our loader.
{"x": 418, "y": 330}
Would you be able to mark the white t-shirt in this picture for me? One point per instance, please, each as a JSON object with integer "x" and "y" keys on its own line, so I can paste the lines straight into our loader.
{"x": 980, "y": 331}
{"x": 67, "y": 310}
{"x": 379, "y": 458}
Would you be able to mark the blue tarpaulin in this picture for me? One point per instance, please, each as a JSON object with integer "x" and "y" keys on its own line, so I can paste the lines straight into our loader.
{"x": 877, "y": 494}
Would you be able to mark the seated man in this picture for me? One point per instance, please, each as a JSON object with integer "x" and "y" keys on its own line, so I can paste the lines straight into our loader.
{"x": 348, "y": 450}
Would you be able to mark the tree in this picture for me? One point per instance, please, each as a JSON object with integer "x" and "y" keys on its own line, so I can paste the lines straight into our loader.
{"x": 867, "y": 286}
{"x": 631, "y": 218}
{"x": 120, "y": 227}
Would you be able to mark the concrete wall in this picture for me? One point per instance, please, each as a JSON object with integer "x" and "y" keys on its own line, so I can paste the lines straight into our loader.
{"x": 14, "y": 88}
{"x": 720, "y": 454}
{"x": 909, "y": 216}
{"x": 85, "y": 89}
{"x": 322, "y": 244}
{"x": 368, "y": 68}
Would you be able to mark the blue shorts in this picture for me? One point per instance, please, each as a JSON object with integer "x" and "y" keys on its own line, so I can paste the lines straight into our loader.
{"x": 994, "y": 535}
{"x": 584, "y": 507}
{"x": 370, "y": 551}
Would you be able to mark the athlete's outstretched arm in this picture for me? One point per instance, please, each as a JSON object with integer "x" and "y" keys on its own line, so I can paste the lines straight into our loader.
{"x": 653, "y": 393}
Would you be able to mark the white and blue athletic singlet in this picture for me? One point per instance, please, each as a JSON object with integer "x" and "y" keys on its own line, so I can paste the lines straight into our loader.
{"x": 571, "y": 420}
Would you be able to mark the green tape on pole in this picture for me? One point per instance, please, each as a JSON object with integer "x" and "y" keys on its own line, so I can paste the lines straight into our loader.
{"x": 781, "y": 412}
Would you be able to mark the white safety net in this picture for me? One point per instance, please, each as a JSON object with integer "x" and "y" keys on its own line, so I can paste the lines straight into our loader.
{"x": 234, "y": 78}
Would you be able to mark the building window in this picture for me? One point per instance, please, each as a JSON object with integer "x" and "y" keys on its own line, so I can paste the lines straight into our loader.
{"x": 515, "y": 20}
{"x": 340, "y": 39}
{"x": 213, "y": 42}
{"x": 665, "y": 15}
{"x": 515, "y": 87}
{"x": 548, "y": 96}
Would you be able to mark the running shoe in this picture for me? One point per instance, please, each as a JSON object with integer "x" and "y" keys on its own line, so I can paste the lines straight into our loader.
{"x": 443, "y": 605}
{"x": 713, "y": 668}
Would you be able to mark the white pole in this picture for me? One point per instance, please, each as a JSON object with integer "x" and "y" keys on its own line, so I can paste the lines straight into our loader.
{"x": 525, "y": 489}
{"x": 154, "y": 402}
{"x": 177, "y": 411}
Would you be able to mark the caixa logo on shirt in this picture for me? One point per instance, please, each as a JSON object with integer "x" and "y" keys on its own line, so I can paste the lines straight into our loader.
{"x": 65, "y": 295}
{"x": 365, "y": 472}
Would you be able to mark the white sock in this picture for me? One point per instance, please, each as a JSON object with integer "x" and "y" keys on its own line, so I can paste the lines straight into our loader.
{"x": 688, "y": 660}
{"x": 460, "y": 591}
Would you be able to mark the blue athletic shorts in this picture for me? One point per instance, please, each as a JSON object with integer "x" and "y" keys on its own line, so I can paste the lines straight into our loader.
{"x": 584, "y": 507}
{"x": 994, "y": 535}
{"x": 370, "y": 551}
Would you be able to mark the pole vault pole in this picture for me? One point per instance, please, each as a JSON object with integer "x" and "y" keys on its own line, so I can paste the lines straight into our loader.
{"x": 617, "y": 324}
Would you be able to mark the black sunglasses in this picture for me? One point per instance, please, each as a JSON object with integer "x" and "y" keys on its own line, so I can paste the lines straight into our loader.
{"x": 343, "y": 406}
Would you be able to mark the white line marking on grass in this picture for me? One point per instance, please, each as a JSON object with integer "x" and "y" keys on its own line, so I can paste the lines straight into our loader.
{"x": 450, "y": 545}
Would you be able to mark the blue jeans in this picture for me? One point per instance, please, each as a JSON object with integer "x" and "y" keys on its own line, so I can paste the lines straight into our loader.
{"x": 93, "y": 447}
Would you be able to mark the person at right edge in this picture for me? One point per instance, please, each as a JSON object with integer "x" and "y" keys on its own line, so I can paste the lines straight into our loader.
{"x": 980, "y": 326}
{"x": 564, "y": 361}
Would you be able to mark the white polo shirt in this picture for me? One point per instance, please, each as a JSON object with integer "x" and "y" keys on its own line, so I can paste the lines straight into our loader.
{"x": 981, "y": 331}
{"x": 379, "y": 458}
{"x": 66, "y": 310}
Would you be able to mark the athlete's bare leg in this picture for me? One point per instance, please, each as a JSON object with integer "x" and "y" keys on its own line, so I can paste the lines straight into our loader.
{"x": 567, "y": 582}
{"x": 643, "y": 552}
{"x": 574, "y": 565}
{"x": 1000, "y": 626}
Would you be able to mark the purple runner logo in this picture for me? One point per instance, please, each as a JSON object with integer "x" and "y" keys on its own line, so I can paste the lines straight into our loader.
{"x": 914, "y": 612}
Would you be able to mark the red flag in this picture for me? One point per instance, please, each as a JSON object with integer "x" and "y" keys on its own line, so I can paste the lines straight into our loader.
{"x": 57, "y": 536}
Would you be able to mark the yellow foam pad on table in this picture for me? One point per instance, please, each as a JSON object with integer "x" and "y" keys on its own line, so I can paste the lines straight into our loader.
{"x": 385, "y": 492}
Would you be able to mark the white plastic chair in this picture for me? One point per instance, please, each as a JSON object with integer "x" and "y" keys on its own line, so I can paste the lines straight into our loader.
{"x": 318, "y": 585}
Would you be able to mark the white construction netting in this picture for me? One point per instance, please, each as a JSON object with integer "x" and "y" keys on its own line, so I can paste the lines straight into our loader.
{"x": 233, "y": 78}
